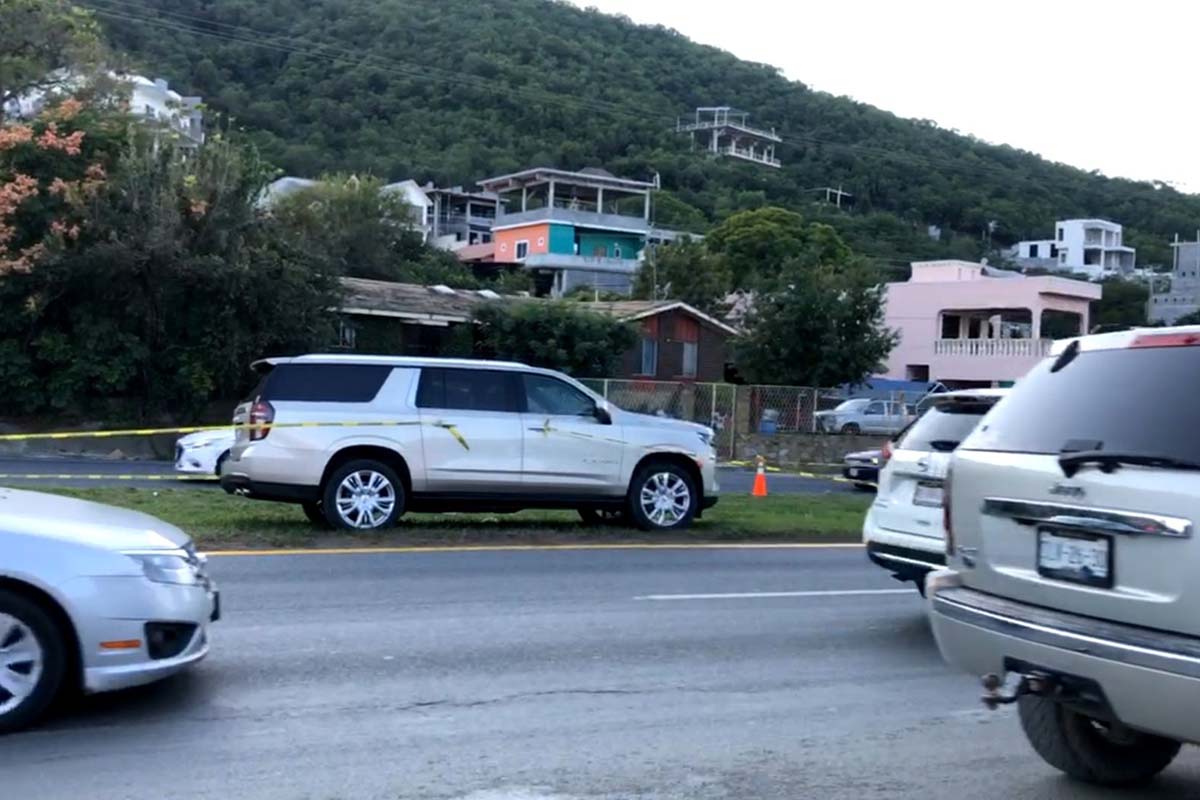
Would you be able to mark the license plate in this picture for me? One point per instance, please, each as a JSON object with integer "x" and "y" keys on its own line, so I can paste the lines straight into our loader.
{"x": 852, "y": 472}
{"x": 1076, "y": 557}
{"x": 929, "y": 494}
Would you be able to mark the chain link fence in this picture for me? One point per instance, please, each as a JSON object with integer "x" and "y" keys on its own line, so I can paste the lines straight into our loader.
{"x": 711, "y": 404}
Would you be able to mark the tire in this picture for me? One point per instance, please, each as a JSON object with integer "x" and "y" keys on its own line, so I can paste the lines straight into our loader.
{"x": 25, "y": 624}
{"x": 667, "y": 482}
{"x": 366, "y": 474}
{"x": 221, "y": 459}
{"x": 595, "y": 517}
{"x": 1076, "y": 745}
{"x": 316, "y": 514}
{"x": 851, "y": 428}
{"x": 865, "y": 487}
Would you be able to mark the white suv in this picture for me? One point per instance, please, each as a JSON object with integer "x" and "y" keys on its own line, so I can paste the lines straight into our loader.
{"x": 359, "y": 440}
{"x": 1074, "y": 556}
{"x": 903, "y": 528}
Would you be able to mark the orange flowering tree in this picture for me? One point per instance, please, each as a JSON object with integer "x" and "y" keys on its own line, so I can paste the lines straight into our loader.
{"x": 49, "y": 168}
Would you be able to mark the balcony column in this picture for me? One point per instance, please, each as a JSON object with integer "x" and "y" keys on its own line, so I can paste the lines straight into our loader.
{"x": 1036, "y": 315}
{"x": 550, "y": 196}
{"x": 524, "y": 198}
{"x": 600, "y": 200}
{"x": 646, "y": 213}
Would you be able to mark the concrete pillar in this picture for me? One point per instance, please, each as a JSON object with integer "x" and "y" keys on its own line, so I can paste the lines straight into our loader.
{"x": 1036, "y": 314}
{"x": 550, "y": 197}
{"x": 600, "y": 200}
{"x": 646, "y": 213}
{"x": 524, "y": 198}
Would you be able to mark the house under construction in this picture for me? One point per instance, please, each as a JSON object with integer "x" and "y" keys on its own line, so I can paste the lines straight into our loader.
{"x": 723, "y": 131}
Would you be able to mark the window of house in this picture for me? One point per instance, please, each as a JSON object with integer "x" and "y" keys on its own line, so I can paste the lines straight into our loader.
{"x": 687, "y": 331}
{"x": 522, "y": 249}
{"x": 649, "y": 364}
{"x": 950, "y": 323}
{"x": 347, "y": 335}
{"x": 1060, "y": 234}
{"x": 1033, "y": 251}
{"x": 616, "y": 251}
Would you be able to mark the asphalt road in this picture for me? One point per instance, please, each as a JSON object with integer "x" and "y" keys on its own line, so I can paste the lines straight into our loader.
{"x": 574, "y": 675}
{"x": 733, "y": 480}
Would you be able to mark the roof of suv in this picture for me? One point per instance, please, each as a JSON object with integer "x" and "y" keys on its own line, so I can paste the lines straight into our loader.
{"x": 393, "y": 361}
{"x": 1121, "y": 339}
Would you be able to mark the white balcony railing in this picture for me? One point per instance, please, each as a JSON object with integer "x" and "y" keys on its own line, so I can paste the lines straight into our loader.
{"x": 990, "y": 348}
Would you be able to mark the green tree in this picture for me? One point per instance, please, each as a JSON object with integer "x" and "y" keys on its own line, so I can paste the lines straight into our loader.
{"x": 556, "y": 335}
{"x": 173, "y": 284}
{"x": 1123, "y": 303}
{"x": 1189, "y": 319}
{"x": 687, "y": 271}
{"x": 757, "y": 243}
{"x": 354, "y": 226}
{"x": 42, "y": 43}
{"x": 820, "y": 326}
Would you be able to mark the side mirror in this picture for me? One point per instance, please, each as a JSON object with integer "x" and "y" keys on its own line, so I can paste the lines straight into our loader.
{"x": 603, "y": 414}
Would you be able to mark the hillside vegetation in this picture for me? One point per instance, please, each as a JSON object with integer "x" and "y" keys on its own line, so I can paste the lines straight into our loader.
{"x": 456, "y": 90}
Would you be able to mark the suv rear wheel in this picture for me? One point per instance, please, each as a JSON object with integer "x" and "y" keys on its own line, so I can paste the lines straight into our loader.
{"x": 662, "y": 497}
{"x": 1090, "y": 750}
{"x": 363, "y": 495}
{"x": 33, "y": 661}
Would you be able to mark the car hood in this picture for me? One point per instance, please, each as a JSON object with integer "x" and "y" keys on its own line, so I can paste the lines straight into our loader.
{"x": 655, "y": 421}
{"x": 82, "y": 522}
{"x": 207, "y": 437}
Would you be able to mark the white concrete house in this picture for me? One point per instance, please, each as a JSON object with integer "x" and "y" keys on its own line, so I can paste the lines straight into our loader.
{"x": 1094, "y": 247}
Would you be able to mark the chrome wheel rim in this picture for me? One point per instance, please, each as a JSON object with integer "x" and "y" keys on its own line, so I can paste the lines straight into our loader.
{"x": 21, "y": 662}
{"x": 665, "y": 499}
{"x": 365, "y": 499}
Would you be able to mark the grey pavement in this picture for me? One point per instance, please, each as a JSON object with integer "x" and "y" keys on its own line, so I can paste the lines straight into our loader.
{"x": 551, "y": 674}
{"x": 733, "y": 480}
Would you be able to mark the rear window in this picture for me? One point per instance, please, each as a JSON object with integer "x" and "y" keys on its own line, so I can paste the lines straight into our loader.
{"x": 1140, "y": 400}
{"x": 944, "y": 426}
{"x": 468, "y": 390}
{"x": 324, "y": 383}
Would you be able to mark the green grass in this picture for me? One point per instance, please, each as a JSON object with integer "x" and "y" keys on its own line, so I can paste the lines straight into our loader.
{"x": 217, "y": 520}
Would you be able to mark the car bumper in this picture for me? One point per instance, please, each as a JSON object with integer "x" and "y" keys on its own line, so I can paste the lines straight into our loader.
{"x": 907, "y": 555}
{"x": 119, "y": 610}
{"x": 864, "y": 473}
{"x": 1150, "y": 679}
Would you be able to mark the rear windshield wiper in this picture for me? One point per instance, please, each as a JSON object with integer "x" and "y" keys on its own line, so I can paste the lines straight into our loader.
{"x": 1108, "y": 462}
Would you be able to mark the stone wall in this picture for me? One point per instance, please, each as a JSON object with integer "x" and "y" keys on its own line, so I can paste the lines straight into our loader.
{"x": 793, "y": 450}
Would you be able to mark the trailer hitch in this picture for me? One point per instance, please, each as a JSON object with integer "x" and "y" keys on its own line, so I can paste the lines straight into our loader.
{"x": 1036, "y": 683}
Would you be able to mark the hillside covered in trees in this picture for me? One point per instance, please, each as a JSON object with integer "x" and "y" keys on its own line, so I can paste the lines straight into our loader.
{"x": 456, "y": 90}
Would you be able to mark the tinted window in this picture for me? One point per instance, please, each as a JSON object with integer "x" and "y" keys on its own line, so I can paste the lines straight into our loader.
{"x": 1140, "y": 401}
{"x": 874, "y": 408}
{"x": 324, "y": 383}
{"x": 551, "y": 396}
{"x": 944, "y": 426}
{"x": 467, "y": 390}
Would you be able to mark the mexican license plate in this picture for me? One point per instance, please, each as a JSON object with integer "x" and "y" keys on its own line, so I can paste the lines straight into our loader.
{"x": 1076, "y": 557}
{"x": 929, "y": 494}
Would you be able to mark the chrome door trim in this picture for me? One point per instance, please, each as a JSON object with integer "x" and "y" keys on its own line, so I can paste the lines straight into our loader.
{"x": 1101, "y": 520}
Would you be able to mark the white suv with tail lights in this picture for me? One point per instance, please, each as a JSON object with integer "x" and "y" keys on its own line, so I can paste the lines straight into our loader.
{"x": 903, "y": 529}
{"x": 1073, "y": 554}
{"x": 359, "y": 440}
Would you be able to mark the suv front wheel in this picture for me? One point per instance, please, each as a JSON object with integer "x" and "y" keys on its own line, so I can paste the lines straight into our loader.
{"x": 1090, "y": 750}
{"x": 663, "y": 497}
{"x": 363, "y": 495}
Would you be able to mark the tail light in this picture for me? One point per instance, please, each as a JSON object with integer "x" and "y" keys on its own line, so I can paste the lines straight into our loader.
{"x": 885, "y": 453}
{"x": 947, "y": 494}
{"x": 261, "y": 414}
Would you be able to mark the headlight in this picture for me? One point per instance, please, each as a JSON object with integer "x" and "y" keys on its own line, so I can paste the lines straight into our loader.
{"x": 171, "y": 566}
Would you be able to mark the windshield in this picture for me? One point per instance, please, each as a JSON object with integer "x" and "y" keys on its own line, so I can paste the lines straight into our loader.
{"x": 852, "y": 405}
{"x": 944, "y": 426}
{"x": 1121, "y": 401}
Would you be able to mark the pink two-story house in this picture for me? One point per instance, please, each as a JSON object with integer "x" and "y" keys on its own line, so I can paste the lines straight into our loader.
{"x": 971, "y": 325}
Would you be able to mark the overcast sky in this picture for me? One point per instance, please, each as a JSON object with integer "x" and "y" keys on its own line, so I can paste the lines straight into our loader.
{"x": 1100, "y": 85}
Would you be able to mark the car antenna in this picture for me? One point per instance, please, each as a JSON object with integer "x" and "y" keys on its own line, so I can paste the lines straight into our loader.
{"x": 1067, "y": 356}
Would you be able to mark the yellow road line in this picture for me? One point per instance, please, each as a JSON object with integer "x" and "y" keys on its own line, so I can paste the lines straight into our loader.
{"x": 491, "y": 548}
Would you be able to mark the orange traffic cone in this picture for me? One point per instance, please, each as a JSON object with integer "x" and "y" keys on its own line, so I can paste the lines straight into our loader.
{"x": 760, "y": 480}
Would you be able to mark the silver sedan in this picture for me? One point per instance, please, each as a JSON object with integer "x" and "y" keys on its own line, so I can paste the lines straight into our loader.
{"x": 94, "y": 597}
